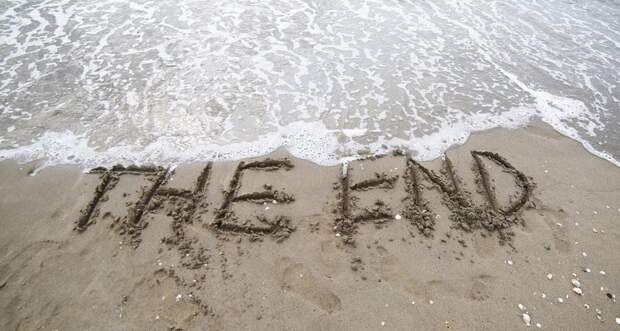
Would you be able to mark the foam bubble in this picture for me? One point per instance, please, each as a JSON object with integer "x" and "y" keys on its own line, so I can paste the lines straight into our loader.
{"x": 172, "y": 82}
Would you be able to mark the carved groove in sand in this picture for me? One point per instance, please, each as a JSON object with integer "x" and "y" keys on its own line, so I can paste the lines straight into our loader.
{"x": 226, "y": 220}
{"x": 189, "y": 208}
{"x": 109, "y": 178}
{"x": 465, "y": 214}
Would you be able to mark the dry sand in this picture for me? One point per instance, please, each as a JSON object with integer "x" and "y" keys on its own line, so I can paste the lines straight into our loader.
{"x": 382, "y": 248}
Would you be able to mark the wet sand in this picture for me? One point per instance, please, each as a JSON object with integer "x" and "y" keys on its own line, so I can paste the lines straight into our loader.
{"x": 528, "y": 233}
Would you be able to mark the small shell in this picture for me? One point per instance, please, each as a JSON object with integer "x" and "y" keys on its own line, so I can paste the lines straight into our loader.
{"x": 398, "y": 217}
{"x": 526, "y": 319}
{"x": 618, "y": 320}
{"x": 521, "y": 307}
{"x": 577, "y": 290}
{"x": 560, "y": 300}
{"x": 549, "y": 276}
{"x": 575, "y": 283}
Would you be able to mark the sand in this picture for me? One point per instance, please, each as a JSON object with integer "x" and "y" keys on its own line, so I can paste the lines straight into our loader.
{"x": 525, "y": 234}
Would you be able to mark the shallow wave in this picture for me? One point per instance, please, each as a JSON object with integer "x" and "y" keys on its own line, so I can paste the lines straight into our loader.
{"x": 100, "y": 82}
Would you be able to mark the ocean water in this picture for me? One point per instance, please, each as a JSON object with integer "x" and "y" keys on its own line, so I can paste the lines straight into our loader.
{"x": 99, "y": 82}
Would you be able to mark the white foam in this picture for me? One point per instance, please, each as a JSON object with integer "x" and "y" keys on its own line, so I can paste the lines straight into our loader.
{"x": 305, "y": 140}
{"x": 174, "y": 82}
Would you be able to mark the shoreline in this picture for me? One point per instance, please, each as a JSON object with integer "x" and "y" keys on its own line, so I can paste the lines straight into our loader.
{"x": 146, "y": 155}
{"x": 279, "y": 242}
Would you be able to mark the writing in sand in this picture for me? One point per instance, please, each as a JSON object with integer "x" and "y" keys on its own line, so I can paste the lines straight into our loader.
{"x": 356, "y": 200}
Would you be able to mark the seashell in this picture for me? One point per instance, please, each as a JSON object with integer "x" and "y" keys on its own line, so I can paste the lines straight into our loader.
{"x": 577, "y": 290}
{"x": 575, "y": 282}
{"x": 549, "y": 276}
{"x": 521, "y": 307}
{"x": 526, "y": 319}
{"x": 398, "y": 217}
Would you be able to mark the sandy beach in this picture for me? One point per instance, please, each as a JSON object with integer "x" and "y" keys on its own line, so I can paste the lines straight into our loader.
{"x": 522, "y": 233}
{"x": 309, "y": 165}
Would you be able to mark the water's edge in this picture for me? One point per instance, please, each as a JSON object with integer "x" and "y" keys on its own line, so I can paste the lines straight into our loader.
{"x": 74, "y": 145}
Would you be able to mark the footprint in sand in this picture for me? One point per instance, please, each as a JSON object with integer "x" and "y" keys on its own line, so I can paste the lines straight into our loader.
{"x": 299, "y": 280}
{"x": 485, "y": 246}
{"x": 561, "y": 237}
{"x": 481, "y": 287}
{"x": 332, "y": 257}
{"x": 390, "y": 270}
{"x": 556, "y": 221}
{"x": 477, "y": 287}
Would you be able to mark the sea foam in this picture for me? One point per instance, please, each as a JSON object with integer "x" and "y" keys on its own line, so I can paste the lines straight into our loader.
{"x": 178, "y": 81}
